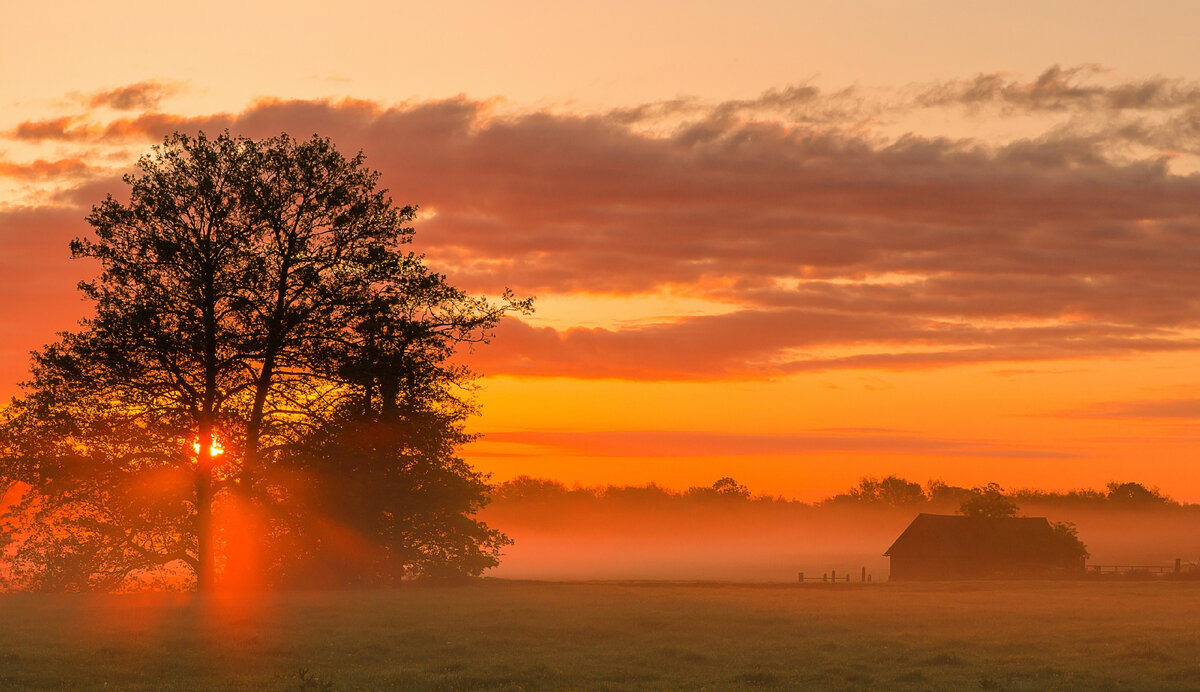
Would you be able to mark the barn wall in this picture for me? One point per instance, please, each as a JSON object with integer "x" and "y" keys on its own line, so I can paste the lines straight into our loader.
{"x": 931, "y": 567}
{"x": 916, "y": 567}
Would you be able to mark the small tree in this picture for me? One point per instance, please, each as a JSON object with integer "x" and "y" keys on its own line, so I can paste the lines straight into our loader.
{"x": 1068, "y": 538}
{"x": 725, "y": 488}
{"x": 942, "y": 494}
{"x": 988, "y": 502}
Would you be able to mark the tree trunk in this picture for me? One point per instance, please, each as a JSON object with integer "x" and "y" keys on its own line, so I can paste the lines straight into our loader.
{"x": 206, "y": 570}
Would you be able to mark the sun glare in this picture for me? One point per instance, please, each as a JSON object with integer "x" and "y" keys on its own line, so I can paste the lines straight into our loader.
{"x": 215, "y": 448}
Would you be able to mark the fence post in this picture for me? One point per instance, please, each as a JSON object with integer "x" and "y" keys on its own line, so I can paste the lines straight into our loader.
{"x": 824, "y": 576}
{"x": 864, "y": 573}
{"x": 833, "y": 575}
{"x": 1178, "y": 565}
{"x": 800, "y": 576}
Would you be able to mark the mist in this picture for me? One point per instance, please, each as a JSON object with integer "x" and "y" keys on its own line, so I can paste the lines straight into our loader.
{"x": 636, "y": 533}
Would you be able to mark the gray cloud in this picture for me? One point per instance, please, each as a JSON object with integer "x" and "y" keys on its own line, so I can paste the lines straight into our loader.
{"x": 141, "y": 96}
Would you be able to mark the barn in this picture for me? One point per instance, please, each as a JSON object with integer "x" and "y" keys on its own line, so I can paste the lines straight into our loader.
{"x": 941, "y": 546}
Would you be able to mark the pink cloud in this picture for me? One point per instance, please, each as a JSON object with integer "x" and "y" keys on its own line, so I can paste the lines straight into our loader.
{"x": 1045, "y": 248}
{"x": 42, "y": 169}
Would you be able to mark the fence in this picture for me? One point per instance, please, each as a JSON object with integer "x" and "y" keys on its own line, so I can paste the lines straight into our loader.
{"x": 1179, "y": 567}
{"x": 832, "y": 577}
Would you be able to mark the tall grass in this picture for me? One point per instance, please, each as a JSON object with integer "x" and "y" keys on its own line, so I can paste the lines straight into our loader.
{"x": 522, "y": 635}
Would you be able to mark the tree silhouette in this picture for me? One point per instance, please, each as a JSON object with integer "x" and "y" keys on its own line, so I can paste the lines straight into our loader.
{"x": 724, "y": 488}
{"x": 1135, "y": 495}
{"x": 891, "y": 491}
{"x": 233, "y": 313}
{"x": 728, "y": 487}
{"x": 1067, "y": 536}
{"x": 988, "y": 502}
{"x": 384, "y": 460}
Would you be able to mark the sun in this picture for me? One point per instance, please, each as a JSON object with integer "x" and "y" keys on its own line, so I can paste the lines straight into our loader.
{"x": 214, "y": 447}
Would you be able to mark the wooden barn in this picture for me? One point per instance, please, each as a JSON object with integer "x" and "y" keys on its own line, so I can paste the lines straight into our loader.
{"x": 940, "y": 546}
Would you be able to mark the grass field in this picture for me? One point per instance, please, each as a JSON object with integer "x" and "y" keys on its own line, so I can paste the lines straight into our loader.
{"x": 520, "y": 635}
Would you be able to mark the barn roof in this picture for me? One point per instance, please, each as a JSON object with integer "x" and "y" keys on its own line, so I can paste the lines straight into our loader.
{"x": 952, "y": 535}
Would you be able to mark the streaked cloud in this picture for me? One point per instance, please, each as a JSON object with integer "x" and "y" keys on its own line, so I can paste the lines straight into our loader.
{"x": 1147, "y": 409}
{"x": 1059, "y": 89}
{"x": 42, "y": 169}
{"x": 141, "y": 96}
{"x": 663, "y": 443}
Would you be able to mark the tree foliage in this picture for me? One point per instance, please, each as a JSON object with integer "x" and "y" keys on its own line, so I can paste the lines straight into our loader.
{"x": 1135, "y": 495}
{"x": 725, "y": 488}
{"x": 255, "y": 297}
{"x": 1067, "y": 535}
{"x": 891, "y": 491}
{"x": 988, "y": 502}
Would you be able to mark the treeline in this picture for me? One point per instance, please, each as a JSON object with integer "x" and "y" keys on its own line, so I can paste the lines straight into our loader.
{"x": 887, "y": 492}
{"x": 893, "y": 491}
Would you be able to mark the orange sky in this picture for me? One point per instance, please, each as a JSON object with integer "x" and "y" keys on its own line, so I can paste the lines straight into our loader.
{"x": 795, "y": 245}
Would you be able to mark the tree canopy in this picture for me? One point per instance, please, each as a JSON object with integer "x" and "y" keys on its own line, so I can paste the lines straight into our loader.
{"x": 262, "y": 341}
{"x": 988, "y": 502}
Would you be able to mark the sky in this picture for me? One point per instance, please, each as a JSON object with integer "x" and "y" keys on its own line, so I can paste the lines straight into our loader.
{"x": 792, "y": 243}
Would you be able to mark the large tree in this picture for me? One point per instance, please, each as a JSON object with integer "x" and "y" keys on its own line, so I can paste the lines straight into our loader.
{"x": 256, "y": 301}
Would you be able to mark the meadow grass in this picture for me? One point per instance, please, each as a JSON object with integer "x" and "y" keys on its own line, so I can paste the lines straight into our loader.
{"x": 621, "y": 636}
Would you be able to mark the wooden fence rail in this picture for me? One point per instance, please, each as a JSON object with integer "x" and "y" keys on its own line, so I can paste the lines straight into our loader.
{"x": 1178, "y": 567}
{"x": 832, "y": 577}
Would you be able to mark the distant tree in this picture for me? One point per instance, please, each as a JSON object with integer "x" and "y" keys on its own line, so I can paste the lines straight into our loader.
{"x": 988, "y": 502}
{"x": 891, "y": 491}
{"x": 898, "y": 492}
{"x": 1068, "y": 537}
{"x": 1073, "y": 497}
{"x": 942, "y": 494}
{"x": 727, "y": 487}
{"x": 529, "y": 489}
{"x": 724, "y": 488}
{"x": 1135, "y": 495}
{"x": 649, "y": 494}
{"x": 254, "y": 298}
